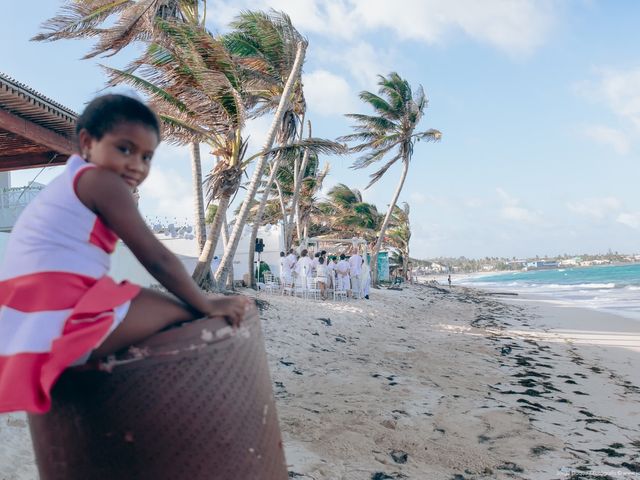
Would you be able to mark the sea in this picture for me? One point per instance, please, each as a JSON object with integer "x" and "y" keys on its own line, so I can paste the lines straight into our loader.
{"x": 609, "y": 288}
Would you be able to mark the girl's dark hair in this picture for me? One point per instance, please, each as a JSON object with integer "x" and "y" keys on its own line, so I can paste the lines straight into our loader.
{"x": 105, "y": 112}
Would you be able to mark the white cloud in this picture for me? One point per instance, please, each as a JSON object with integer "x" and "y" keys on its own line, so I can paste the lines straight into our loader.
{"x": 597, "y": 208}
{"x": 631, "y": 219}
{"x": 618, "y": 90}
{"x": 306, "y": 15}
{"x": 519, "y": 214}
{"x": 166, "y": 193}
{"x": 362, "y": 60}
{"x": 256, "y": 131}
{"x": 616, "y": 139}
{"x": 327, "y": 93}
{"x": 511, "y": 209}
{"x": 513, "y": 26}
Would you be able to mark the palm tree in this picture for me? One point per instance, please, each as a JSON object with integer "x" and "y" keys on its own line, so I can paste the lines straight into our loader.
{"x": 308, "y": 197}
{"x": 201, "y": 94}
{"x": 391, "y": 132}
{"x": 299, "y": 169}
{"x": 265, "y": 45}
{"x": 136, "y": 21}
{"x": 298, "y": 186}
{"x": 348, "y": 215}
{"x": 273, "y": 35}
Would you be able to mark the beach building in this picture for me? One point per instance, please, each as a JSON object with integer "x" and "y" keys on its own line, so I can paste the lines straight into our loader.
{"x": 125, "y": 266}
{"x": 35, "y": 132}
{"x": 542, "y": 265}
{"x": 570, "y": 262}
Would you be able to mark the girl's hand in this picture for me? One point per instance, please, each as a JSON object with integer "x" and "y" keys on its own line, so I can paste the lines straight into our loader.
{"x": 234, "y": 309}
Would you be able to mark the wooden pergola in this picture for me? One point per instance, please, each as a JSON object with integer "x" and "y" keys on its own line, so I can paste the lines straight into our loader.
{"x": 35, "y": 131}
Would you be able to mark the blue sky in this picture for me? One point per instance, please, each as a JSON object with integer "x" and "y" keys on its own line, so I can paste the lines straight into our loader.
{"x": 538, "y": 103}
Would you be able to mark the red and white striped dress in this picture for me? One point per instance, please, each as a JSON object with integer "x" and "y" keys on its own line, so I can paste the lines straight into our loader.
{"x": 57, "y": 303}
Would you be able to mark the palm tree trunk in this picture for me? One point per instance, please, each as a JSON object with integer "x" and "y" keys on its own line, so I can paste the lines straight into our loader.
{"x": 252, "y": 254}
{"x": 407, "y": 257}
{"x": 225, "y": 241}
{"x": 198, "y": 197}
{"x": 385, "y": 223}
{"x": 295, "y": 214}
{"x": 227, "y": 258}
{"x": 283, "y": 208}
{"x": 288, "y": 223}
{"x": 258, "y": 220}
{"x": 204, "y": 263}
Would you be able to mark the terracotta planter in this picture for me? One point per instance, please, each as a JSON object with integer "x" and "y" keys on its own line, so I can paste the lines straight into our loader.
{"x": 194, "y": 402}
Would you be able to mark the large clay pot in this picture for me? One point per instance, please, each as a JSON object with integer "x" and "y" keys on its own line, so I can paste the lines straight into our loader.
{"x": 193, "y": 402}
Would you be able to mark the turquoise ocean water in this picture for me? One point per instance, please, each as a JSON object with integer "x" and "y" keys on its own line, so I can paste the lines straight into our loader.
{"x": 612, "y": 288}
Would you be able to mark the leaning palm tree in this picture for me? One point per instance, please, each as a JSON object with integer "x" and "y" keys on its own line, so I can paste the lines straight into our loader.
{"x": 348, "y": 215}
{"x": 308, "y": 203}
{"x": 283, "y": 43}
{"x": 299, "y": 169}
{"x": 390, "y": 132}
{"x": 136, "y": 21}
{"x": 265, "y": 44}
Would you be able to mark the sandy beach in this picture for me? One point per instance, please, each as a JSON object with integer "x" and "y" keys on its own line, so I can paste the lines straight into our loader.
{"x": 428, "y": 383}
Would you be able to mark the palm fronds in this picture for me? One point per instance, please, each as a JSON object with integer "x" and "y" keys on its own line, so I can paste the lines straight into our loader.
{"x": 136, "y": 21}
{"x": 391, "y": 130}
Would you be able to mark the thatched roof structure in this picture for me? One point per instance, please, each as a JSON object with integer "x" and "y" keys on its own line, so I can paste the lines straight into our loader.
{"x": 35, "y": 131}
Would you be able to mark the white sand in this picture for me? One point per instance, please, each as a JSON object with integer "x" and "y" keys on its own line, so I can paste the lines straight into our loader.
{"x": 16, "y": 453}
{"x": 409, "y": 372}
{"x": 465, "y": 385}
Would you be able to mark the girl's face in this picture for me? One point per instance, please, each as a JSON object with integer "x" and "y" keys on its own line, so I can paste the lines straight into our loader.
{"x": 126, "y": 149}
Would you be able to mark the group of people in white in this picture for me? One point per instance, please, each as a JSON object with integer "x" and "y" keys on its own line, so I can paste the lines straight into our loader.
{"x": 330, "y": 272}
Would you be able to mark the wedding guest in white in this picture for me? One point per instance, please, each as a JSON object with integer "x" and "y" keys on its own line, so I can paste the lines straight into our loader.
{"x": 365, "y": 280}
{"x": 285, "y": 270}
{"x": 331, "y": 267}
{"x": 304, "y": 266}
{"x": 316, "y": 257}
{"x": 291, "y": 259}
{"x": 342, "y": 277}
{"x": 355, "y": 269}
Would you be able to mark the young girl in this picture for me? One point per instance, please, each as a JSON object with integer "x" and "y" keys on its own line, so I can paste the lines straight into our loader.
{"x": 58, "y": 307}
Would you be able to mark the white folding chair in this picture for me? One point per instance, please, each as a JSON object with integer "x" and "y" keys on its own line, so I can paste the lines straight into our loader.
{"x": 299, "y": 286}
{"x": 312, "y": 288}
{"x": 270, "y": 284}
{"x": 355, "y": 286}
{"x": 338, "y": 291}
{"x": 287, "y": 286}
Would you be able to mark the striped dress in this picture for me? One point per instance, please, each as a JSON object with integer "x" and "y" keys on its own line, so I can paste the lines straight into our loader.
{"x": 57, "y": 303}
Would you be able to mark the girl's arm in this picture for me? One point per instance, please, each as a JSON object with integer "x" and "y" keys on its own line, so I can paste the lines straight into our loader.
{"x": 106, "y": 194}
